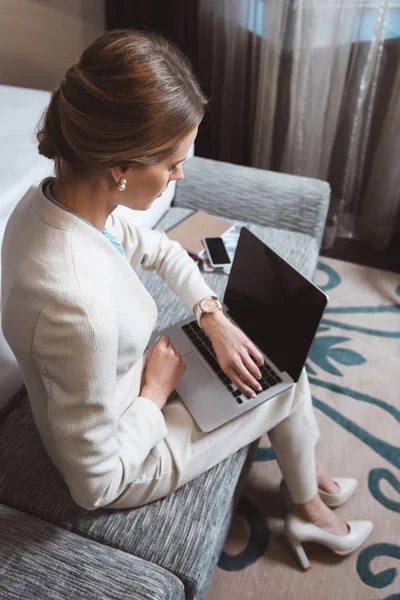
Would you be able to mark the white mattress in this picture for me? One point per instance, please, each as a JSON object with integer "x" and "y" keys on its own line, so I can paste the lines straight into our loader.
{"x": 20, "y": 167}
{"x": 20, "y": 163}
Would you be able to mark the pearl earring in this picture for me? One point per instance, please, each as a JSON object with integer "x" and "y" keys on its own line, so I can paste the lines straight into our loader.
{"x": 121, "y": 185}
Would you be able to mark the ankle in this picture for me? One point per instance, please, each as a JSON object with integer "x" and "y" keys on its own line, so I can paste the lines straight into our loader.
{"x": 313, "y": 511}
{"x": 317, "y": 513}
{"x": 325, "y": 481}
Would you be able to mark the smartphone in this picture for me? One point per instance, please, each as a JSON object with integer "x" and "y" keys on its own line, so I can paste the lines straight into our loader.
{"x": 216, "y": 252}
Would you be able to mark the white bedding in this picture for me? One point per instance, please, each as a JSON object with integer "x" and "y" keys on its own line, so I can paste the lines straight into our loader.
{"x": 21, "y": 166}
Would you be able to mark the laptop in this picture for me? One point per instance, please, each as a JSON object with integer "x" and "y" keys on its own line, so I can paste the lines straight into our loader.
{"x": 276, "y": 307}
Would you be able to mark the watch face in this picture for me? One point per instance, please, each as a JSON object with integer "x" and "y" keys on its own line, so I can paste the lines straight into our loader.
{"x": 208, "y": 305}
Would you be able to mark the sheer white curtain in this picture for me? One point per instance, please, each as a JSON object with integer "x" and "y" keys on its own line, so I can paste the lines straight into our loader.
{"x": 298, "y": 86}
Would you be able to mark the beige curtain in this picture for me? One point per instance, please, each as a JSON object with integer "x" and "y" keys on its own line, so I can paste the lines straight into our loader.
{"x": 311, "y": 87}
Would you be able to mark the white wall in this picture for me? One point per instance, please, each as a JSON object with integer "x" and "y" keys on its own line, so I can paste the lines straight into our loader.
{"x": 39, "y": 39}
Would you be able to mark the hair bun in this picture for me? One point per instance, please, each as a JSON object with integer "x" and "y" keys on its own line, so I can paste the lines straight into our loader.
{"x": 46, "y": 145}
{"x": 74, "y": 71}
{"x": 46, "y": 135}
{"x": 129, "y": 100}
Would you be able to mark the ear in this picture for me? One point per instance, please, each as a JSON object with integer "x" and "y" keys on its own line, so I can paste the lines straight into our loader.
{"x": 116, "y": 173}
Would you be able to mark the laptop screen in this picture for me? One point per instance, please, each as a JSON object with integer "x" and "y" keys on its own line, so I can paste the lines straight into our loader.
{"x": 277, "y": 308}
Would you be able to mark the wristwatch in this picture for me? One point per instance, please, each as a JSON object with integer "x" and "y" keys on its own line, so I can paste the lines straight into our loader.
{"x": 206, "y": 306}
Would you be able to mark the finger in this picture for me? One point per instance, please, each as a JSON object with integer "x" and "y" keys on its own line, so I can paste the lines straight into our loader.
{"x": 242, "y": 386}
{"x": 177, "y": 351}
{"x": 164, "y": 339}
{"x": 251, "y": 365}
{"x": 256, "y": 353}
{"x": 246, "y": 376}
{"x": 151, "y": 349}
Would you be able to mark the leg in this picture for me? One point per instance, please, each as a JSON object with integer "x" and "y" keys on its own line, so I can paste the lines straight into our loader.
{"x": 187, "y": 452}
{"x": 325, "y": 481}
{"x": 294, "y": 440}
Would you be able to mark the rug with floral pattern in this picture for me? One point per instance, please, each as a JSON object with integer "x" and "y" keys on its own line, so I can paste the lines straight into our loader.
{"x": 354, "y": 372}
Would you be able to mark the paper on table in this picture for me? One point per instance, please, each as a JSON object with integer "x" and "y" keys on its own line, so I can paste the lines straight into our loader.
{"x": 190, "y": 232}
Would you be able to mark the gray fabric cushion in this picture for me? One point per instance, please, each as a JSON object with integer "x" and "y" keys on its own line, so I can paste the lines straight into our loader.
{"x": 298, "y": 249}
{"x": 184, "y": 533}
{"x": 39, "y": 560}
{"x": 262, "y": 197}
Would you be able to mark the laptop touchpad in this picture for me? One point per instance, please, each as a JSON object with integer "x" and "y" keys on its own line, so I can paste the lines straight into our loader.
{"x": 196, "y": 375}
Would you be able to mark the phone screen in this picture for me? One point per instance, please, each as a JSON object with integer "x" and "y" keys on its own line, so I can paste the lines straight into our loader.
{"x": 217, "y": 251}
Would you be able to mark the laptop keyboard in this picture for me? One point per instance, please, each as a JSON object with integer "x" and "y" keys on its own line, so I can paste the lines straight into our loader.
{"x": 204, "y": 346}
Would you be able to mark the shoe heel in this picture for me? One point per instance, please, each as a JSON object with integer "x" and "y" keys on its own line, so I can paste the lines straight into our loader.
{"x": 300, "y": 553}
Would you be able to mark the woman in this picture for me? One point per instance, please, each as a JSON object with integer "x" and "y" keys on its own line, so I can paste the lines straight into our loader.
{"x": 78, "y": 319}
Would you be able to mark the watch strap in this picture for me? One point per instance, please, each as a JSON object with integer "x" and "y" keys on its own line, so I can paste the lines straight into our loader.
{"x": 199, "y": 312}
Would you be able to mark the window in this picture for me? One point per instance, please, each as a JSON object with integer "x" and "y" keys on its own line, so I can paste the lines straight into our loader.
{"x": 364, "y": 26}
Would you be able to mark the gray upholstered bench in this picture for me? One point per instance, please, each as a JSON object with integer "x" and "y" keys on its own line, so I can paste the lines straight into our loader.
{"x": 181, "y": 535}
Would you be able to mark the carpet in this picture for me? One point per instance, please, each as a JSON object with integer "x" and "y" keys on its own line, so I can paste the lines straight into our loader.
{"x": 353, "y": 368}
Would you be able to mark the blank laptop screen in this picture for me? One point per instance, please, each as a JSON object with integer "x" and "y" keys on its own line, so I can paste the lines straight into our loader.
{"x": 277, "y": 308}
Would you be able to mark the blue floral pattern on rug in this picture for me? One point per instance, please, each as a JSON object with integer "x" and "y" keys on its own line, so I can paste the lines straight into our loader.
{"x": 330, "y": 356}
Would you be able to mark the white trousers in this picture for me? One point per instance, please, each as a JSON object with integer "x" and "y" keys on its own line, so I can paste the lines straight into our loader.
{"x": 187, "y": 452}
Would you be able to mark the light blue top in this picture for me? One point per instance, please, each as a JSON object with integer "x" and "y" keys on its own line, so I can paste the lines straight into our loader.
{"x": 107, "y": 234}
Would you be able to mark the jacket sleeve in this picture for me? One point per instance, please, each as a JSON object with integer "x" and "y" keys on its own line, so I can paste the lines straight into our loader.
{"x": 75, "y": 348}
{"x": 153, "y": 250}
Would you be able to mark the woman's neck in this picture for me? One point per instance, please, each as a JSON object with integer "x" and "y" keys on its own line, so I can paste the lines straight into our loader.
{"x": 89, "y": 201}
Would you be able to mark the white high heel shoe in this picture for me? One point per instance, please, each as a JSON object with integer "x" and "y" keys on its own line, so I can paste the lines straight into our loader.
{"x": 298, "y": 531}
{"x": 347, "y": 487}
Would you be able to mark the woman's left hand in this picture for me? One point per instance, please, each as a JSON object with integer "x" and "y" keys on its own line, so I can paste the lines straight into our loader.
{"x": 234, "y": 352}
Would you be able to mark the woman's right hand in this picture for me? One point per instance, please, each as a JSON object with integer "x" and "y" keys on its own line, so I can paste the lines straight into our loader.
{"x": 163, "y": 369}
